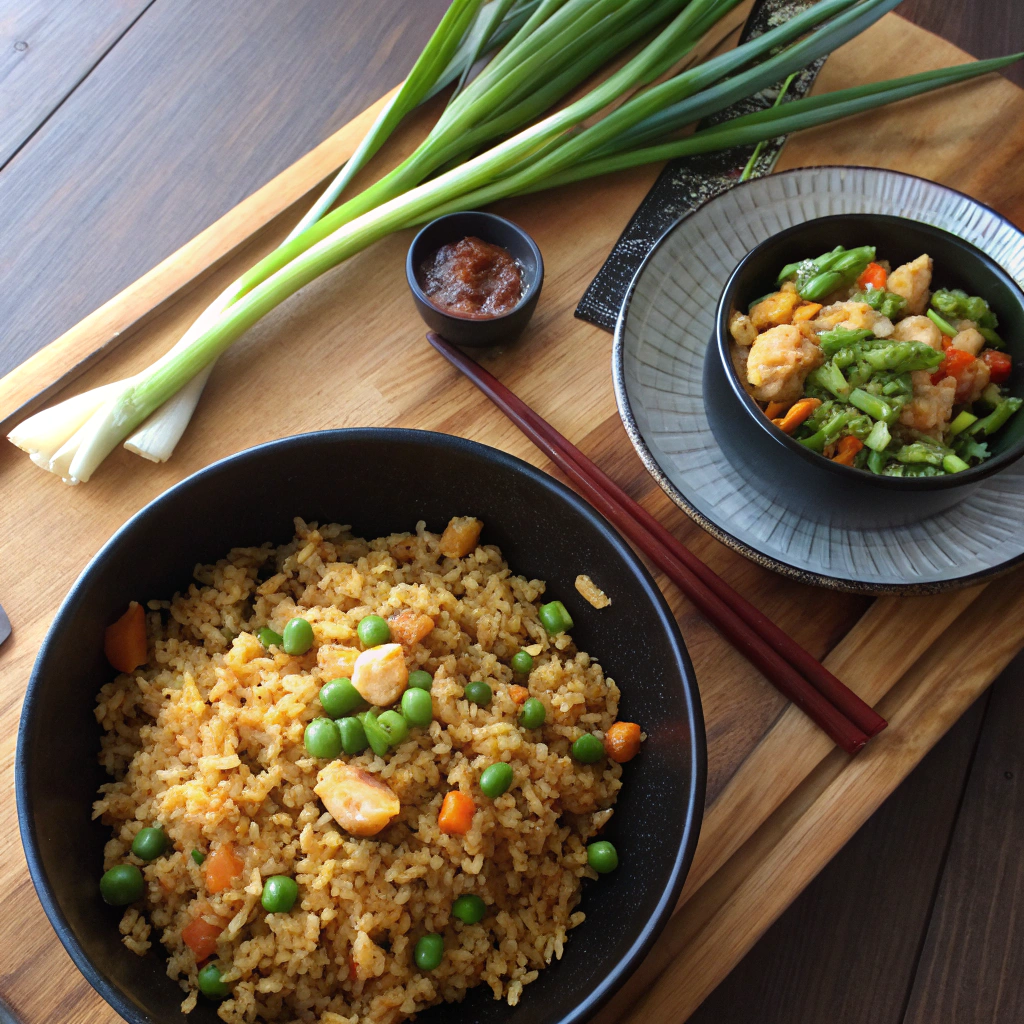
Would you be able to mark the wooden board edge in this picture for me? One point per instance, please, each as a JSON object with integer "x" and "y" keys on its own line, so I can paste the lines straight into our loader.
{"x": 51, "y": 368}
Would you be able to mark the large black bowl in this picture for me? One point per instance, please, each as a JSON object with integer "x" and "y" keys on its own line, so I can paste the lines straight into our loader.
{"x": 379, "y": 481}
{"x": 799, "y": 479}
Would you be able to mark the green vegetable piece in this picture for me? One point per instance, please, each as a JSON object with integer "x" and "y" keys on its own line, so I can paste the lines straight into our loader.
{"x": 532, "y": 714}
{"x": 210, "y": 984}
{"x": 991, "y": 337}
{"x": 298, "y": 636}
{"x": 121, "y": 885}
{"x": 421, "y": 680}
{"x": 759, "y": 299}
{"x": 395, "y": 727}
{"x": 198, "y": 856}
{"x": 469, "y": 909}
{"x": 429, "y": 952}
{"x": 554, "y": 617}
{"x": 922, "y": 451}
{"x": 901, "y": 356}
{"x": 478, "y": 692}
{"x": 960, "y": 423}
{"x": 818, "y": 277}
{"x": 874, "y": 406}
{"x": 522, "y": 663}
{"x": 821, "y": 285}
{"x": 339, "y": 697}
{"x": 602, "y": 856}
{"x": 878, "y": 437}
{"x": 417, "y": 707}
{"x": 954, "y": 464}
{"x": 830, "y": 377}
{"x": 588, "y": 749}
{"x": 839, "y": 338}
{"x": 876, "y": 461}
{"x": 279, "y": 894}
{"x": 322, "y": 738}
{"x": 495, "y": 779}
{"x": 997, "y": 418}
{"x": 149, "y": 843}
{"x": 375, "y": 734}
{"x": 353, "y": 735}
{"x": 269, "y": 638}
{"x": 373, "y": 631}
{"x": 942, "y": 325}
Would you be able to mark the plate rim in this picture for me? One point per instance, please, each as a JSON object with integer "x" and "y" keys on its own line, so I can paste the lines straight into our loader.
{"x": 783, "y": 568}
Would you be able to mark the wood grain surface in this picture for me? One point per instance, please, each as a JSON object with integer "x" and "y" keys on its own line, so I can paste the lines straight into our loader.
{"x": 782, "y": 802}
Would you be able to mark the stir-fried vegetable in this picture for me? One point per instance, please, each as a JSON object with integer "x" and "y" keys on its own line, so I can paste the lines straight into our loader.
{"x": 549, "y": 48}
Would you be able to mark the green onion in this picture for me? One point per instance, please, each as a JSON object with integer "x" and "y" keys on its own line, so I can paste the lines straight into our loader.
{"x": 544, "y": 50}
{"x": 875, "y": 407}
{"x": 942, "y": 325}
{"x": 748, "y": 171}
{"x": 879, "y": 437}
{"x": 954, "y": 464}
{"x": 960, "y": 423}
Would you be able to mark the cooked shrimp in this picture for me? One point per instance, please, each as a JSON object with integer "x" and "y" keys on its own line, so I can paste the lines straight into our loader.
{"x": 380, "y": 674}
{"x": 779, "y": 362}
{"x": 918, "y": 328}
{"x": 971, "y": 381}
{"x": 854, "y": 316}
{"x": 932, "y": 404}
{"x": 775, "y": 309}
{"x": 357, "y": 800}
{"x": 969, "y": 339}
{"x": 912, "y": 281}
{"x": 742, "y": 329}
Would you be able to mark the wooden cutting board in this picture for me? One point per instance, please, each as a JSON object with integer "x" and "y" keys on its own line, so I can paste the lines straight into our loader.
{"x": 349, "y": 351}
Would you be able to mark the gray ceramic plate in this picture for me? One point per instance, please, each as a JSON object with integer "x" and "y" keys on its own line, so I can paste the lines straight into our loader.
{"x": 661, "y": 341}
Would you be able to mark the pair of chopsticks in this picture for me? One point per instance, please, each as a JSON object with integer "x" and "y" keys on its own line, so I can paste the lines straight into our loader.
{"x": 795, "y": 673}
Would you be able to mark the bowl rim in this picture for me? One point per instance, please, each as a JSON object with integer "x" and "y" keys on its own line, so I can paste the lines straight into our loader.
{"x": 752, "y": 409}
{"x": 720, "y": 533}
{"x": 696, "y": 793}
{"x": 529, "y": 292}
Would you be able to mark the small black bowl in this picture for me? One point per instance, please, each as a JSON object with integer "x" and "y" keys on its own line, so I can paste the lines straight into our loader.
{"x": 803, "y": 481}
{"x": 379, "y": 481}
{"x": 476, "y": 332}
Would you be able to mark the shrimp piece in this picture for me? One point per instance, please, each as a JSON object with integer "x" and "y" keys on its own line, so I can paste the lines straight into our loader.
{"x": 931, "y": 406}
{"x": 381, "y": 675}
{"x": 918, "y": 328}
{"x": 742, "y": 330}
{"x": 968, "y": 339}
{"x": 912, "y": 281}
{"x": 779, "y": 362}
{"x": 971, "y": 381}
{"x": 854, "y": 316}
{"x": 357, "y": 800}
{"x": 775, "y": 309}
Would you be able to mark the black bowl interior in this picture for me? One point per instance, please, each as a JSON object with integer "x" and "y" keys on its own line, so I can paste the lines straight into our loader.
{"x": 379, "y": 481}
{"x": 958, "y": 264}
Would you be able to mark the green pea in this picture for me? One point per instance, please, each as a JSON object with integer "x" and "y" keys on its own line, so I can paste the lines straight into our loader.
{"x": 353, "y": 735}
{"x": 210, "y": 984}
{"x": 495, "y": 779}
{"x": 395, "y": 727}
{"x": 478, "y": 693}
{"x": 602, "y": 857}
{"x": 554, "y": 617}
{"x": 522, "y": 663}
{"x": 420, "y": 680}
{"x": 532, "y": 714}
{"x": 279, "y": 894}
{"x": 322, "y": 738}
{"x": 588, "y": 749}
{"x": 339, "y": 697}
{"x": 373, "y": 631}
{"x": 429, "y": 952}
{"x": 149, "y": 843}
{"x": 121, "y": 885}
{"x": 198, "y": 856}
{"x": 269, "y": 638}
{"x": 375, "y": 735}
{"x": 469, "y": 909}
{"x": 298, "y": 636}
{"x": 417, "y": 707}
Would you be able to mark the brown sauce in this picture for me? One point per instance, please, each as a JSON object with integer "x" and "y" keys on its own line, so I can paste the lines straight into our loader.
{"x": 473, "y": 278}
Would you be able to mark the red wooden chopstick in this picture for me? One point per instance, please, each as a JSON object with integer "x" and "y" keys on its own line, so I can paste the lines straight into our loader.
{"x": 839, "y": 711}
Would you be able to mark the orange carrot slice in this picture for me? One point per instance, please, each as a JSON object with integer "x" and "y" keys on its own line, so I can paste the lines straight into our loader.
{"x": 456, "y": 813}
{"x": 201, "y": 937}
{"x": 124, "y": 642}
{"x": 518, "y": 693}
{"x": 221, "y": 868}
{"x": 847, "y": 449}
{"x": 808, "y": 311}
{"x": 798, "y": 412}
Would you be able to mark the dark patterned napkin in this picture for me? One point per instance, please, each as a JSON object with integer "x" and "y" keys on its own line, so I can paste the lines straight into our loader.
{"x": 686, "y": 183}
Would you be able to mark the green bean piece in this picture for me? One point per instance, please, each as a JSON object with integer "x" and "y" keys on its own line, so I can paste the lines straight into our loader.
{"x": 879, "y": 437}
{"x": 375, "y": 735}
{"x": 874, "y": 406}
{"x": 960, "y": 423}
{"x": 198, "y": 856}
{"x": 997, "y": 418}
{"x": 876, "y": 461}
{"x": 830, "y": 377}
{"x": 923, "y": 451}
{"x": 954, "y": 464}
{"x": 353, "y": 735}
{"x": 554, "y": 617}
{"x": 395, "y": 727}
{"x": 269, "y": 638}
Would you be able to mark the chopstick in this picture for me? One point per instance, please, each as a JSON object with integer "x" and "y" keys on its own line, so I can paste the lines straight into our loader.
{"x": 833, "y": 706}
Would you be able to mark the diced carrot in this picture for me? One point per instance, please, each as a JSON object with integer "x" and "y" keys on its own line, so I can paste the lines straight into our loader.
{"x": 873, "y": 276}
{"x": 460, "y": 536}
{"x": 846, "y": 450}
{"x": 409, "y": 627}
{"x": 956, "y": 361}
{"x": 798, "y": 412}
{"x": 456, "y": 815}
{"x": 999, "y": 365}
{"x": 622, "y": 741}
{"x": 124, "y": 642}
{"x": 201, "y": 937}
{"x": 518, "y": 693}
{"x": 221, "y": 868}
{"x": 776, "y": 409}
{"x": 808, "y": 311}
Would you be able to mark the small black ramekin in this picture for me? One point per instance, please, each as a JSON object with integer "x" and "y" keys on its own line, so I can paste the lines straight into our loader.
{"x": 801, "y": 480}
{"x": 476, "y": 332}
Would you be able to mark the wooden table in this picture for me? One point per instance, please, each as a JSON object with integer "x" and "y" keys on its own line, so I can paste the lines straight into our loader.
{"x": 821, "y": 797}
